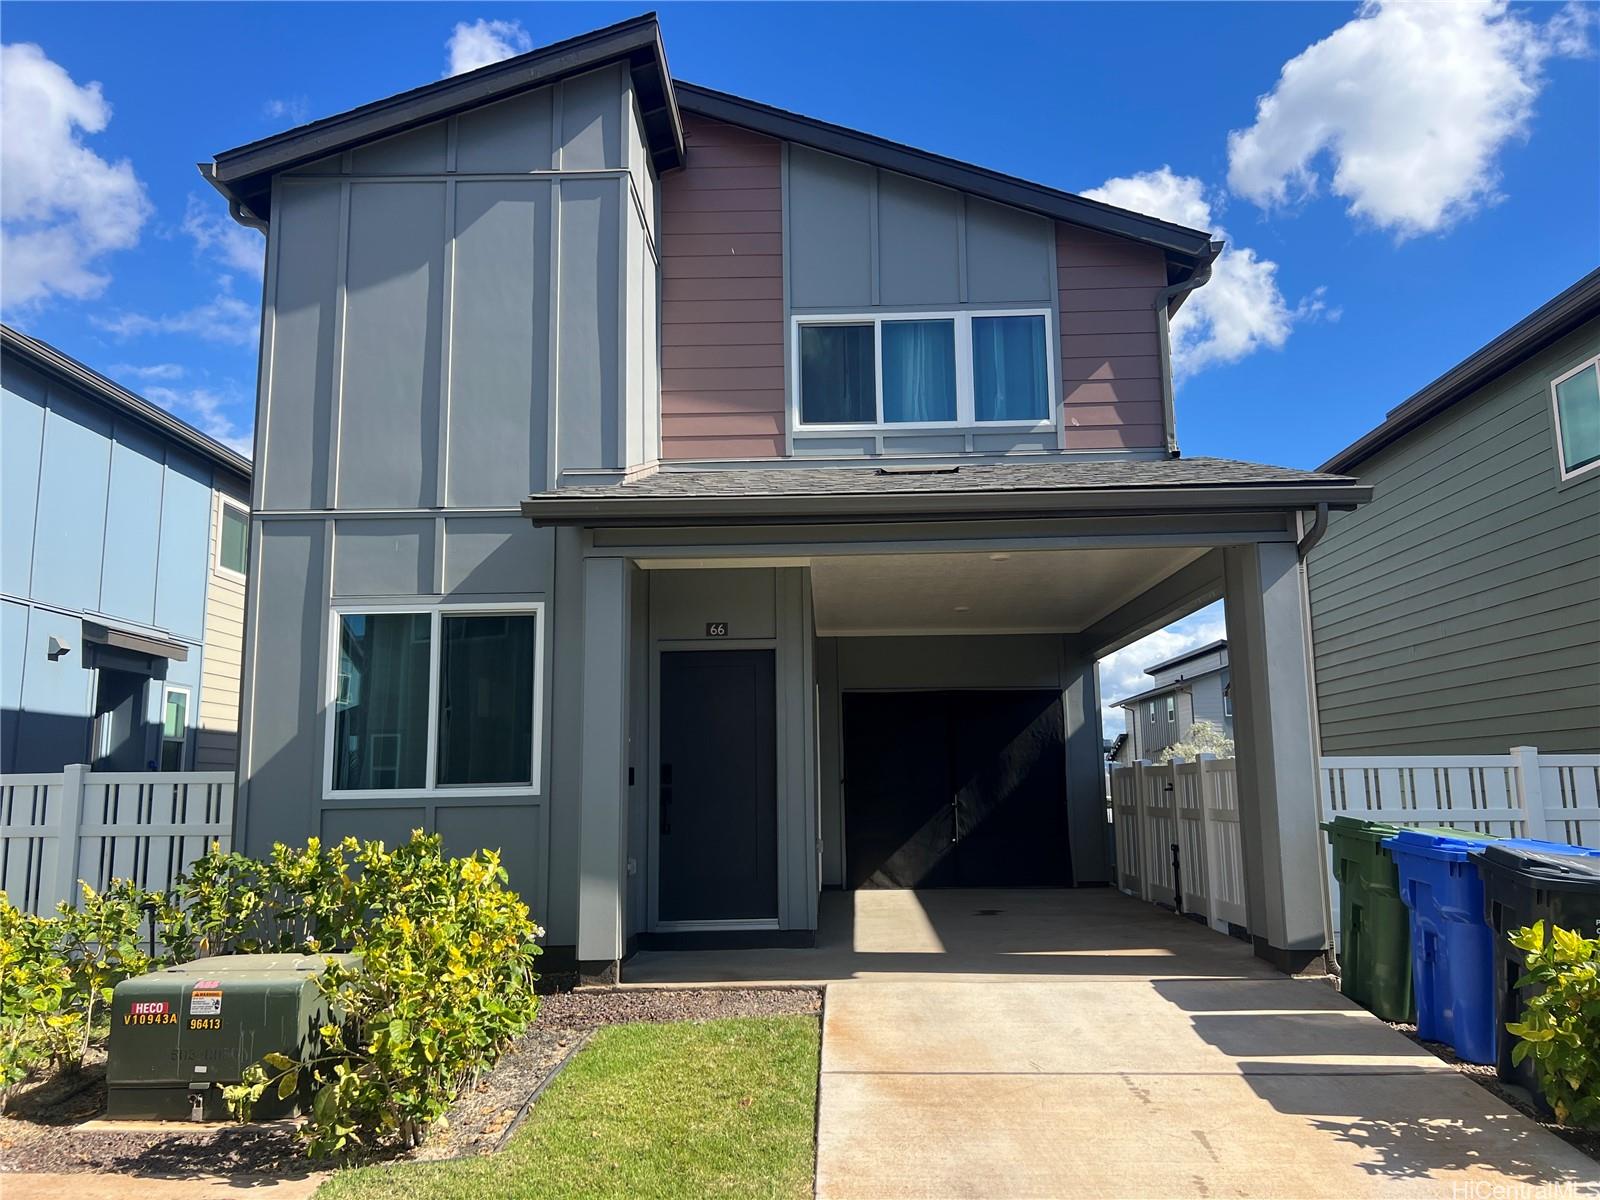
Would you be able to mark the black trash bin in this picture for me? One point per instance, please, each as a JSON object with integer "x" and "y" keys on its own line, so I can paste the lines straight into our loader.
{"x": 1524, "y": 882}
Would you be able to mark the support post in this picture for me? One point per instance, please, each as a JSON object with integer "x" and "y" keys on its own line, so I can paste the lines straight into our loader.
{"x": 1530, "y": 792}
{"x": 1276, "y": 760}
{"x": 74, "y": 785}
{"x": 603, "y": 756}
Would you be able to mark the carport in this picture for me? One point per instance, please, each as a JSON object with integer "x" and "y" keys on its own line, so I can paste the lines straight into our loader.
{"x": 799, "y": 679}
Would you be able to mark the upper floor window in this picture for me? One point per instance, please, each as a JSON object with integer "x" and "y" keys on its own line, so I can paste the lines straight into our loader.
{"x": 940, "y": 369}
{"x": 233, "y": 538}
{"x": 442, "y": 698}
{"x": 1576, "y": 397}
{"x": 1172, "y": 708}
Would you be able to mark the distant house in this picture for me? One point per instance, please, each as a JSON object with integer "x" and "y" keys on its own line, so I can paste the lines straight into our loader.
{"x": 123, "y": 549}
{"x": 1194, "y": 686}
{"x": 1459, "y": 612}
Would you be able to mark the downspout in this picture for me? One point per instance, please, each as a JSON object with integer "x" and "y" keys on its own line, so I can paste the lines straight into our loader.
{"x": 1312, "y": 536}
{"x": 245, "y": 217}
{"x": 1164, "y": 304}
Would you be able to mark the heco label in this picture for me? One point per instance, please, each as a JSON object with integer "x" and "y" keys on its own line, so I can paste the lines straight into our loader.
{"x": 149, "y": 1012}
{"x": 148, "y": 1007}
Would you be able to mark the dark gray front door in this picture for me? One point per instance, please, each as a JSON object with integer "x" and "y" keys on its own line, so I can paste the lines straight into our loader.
{"x": 121, "y": 735}
{"x": 718, "y": 818}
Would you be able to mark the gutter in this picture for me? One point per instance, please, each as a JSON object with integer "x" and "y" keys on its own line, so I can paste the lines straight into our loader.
{"x": 1168, "y": 300}
{"x": 867, "y": 508}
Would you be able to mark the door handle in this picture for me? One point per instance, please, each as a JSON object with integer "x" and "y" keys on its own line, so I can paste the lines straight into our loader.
{"x": 665, "y": 800}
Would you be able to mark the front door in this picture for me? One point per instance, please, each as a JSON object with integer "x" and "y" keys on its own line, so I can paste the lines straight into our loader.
{"x": 717, "y": 819}
{"x": 955, "y": 789}
{"x": 121, "y": 735}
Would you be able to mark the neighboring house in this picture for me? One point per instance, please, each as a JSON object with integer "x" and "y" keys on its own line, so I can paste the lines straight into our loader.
{"x": 1191, "y": 687}
{"x": 1459, "y": 612}
{"x": 706, "y": 506}
{"x": 123, "y": 536}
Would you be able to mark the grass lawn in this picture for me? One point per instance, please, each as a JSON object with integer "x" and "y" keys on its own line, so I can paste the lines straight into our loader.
{"x": 724, "y": 1108}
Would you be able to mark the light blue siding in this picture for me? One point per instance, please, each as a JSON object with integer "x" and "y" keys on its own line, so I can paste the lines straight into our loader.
{"x": 184, "y": 548}
{"x": 21, "y": 439}
{"x": 71, "y": 525}
{"x": 128, "y": 579}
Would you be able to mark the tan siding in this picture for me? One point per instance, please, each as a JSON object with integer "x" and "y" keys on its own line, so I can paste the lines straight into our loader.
{"x": 217, "y": 740}
{"x": 1110, "y": 352}
{"x": 722, "y": 390}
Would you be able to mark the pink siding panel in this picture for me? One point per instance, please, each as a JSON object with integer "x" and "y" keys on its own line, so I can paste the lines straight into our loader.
{"x": 1121, "y": 437}
{"x": 673, "y": 446}
{"x": 1110, "y": 348}
{"x": 722, "y": 393}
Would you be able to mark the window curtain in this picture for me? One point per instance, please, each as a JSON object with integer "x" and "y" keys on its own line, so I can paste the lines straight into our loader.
{"x": 1010, "y": 380}
{"x": 919, "y": 371}
{"x": 838, "y": 382}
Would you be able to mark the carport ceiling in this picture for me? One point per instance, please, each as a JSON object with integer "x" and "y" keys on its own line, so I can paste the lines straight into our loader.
{"x": 1036, "y": 591}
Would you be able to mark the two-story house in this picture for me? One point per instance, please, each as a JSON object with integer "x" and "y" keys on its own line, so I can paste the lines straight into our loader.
{"x": 1193, "y": 686}
{"x": 123, "y": 548}
{"x": 709, "y": 506}
{"x": 1459, "y": 613}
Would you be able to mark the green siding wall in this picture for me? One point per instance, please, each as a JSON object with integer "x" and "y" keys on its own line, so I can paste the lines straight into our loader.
{"x": 1459, "y": 612}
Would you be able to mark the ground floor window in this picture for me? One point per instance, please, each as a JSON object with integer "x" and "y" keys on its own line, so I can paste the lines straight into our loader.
{"x": 174, "y": 727}
{"x": 435, "y": 699}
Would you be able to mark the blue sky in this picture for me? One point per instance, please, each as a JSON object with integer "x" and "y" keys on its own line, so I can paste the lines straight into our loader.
{"x": 1397, "y": 184}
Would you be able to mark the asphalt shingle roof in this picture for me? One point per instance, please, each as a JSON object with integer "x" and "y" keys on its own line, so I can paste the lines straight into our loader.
{"x": 880, "y": 479}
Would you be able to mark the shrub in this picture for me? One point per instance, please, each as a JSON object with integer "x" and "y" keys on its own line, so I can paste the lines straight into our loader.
{"x": 446, "y": 981}
{"x": 100, "y": 941}
{"x": 1560, "y": 1027}
{"x": 40, "y": 1020}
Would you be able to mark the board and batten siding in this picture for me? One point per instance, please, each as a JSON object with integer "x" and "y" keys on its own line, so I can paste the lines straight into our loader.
{"x": 722, "y": 390}
{"x": 216, "y": 740}
{"x": 1459, "y": 611}
{"x": 1110, "y": 342}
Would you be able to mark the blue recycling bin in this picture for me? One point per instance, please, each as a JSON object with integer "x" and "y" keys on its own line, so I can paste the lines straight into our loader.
{"x": 1452, "y": 948}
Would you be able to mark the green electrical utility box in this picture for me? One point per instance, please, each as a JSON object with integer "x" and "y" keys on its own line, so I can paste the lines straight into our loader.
{"x": 180, "y": 1034}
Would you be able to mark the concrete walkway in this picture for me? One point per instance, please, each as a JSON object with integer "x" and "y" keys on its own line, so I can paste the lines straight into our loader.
{"x": 1049, "y": 1044}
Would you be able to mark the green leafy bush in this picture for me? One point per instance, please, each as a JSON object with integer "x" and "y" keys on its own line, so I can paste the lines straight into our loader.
{"x": 40, "y": 1020}
{"x": 446, "y": 981}
{"x": 100, "y": 941}
{"x": 1560, "y": 1029}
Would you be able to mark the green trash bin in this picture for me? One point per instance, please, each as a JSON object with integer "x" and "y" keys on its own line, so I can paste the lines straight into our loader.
{"x": 1374, "y": 923}
{"x": 1374, "y": 926}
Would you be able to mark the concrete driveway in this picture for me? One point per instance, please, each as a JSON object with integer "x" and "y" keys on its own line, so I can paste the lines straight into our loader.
{"x": 1080, "y": 1043}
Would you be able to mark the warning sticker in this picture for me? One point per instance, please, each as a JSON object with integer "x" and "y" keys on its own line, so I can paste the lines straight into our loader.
{"x": 205, "y": 1004}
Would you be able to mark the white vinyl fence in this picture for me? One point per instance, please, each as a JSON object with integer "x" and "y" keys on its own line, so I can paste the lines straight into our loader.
{"x": 97, "y": 826}
{"x": 1195, "y": 805}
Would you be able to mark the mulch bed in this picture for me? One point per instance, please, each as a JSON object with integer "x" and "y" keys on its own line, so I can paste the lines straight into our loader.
{"x": 42, "y": 1127}
{"x": 1586, "y": 1140}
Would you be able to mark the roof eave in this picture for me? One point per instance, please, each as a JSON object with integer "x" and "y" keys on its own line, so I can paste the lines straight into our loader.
{"x": 855, "y": 508}
{"x": 42, "y": 356}
{"x": 1194, "y": 246}
{"x": 244, "y": 173}
{"x": 1553, "y": 320}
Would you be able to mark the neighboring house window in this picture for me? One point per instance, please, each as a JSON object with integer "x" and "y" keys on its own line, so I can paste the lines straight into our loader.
{"x": 233, "y": 539}
{"x": 435, "y": 699}
{"x": 174, "y": 727}
{"x": 948, "y": 369}
{"x": 1227, "y": 697}
{"x": 1151, "y": 712}
{"x": 1576, "y": 399}
{"x": 1172, "y": 708}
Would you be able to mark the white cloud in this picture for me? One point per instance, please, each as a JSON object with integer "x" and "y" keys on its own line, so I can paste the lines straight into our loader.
{"x": 154, "y": 372}
{"x": 62, "y": 206}
{"x": 208, "y": 411}
{"x": 226, "y": 319}
{"x": 1410, "y": 104}
{"x": 236, "y": 247}
{"x": 481, "y": 42}
{"x": 1241, "y": 309}
{"x": 1123, "y": 673}
{"x": 293, "y": 109}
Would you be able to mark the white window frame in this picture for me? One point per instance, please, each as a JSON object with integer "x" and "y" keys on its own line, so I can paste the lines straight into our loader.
{"x": 436, "y": 613}
{"x": 183, "y": 739}
{"x": 229, "y": 572}
{"x": 1555, "y": 415}
{"x": 966, "y": 400}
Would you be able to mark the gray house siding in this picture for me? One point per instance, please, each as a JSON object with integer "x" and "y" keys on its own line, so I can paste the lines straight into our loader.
{"x": 427, "y": 295}
{"x": 99, "y": 517}
{"x": 1459, "y": 612}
